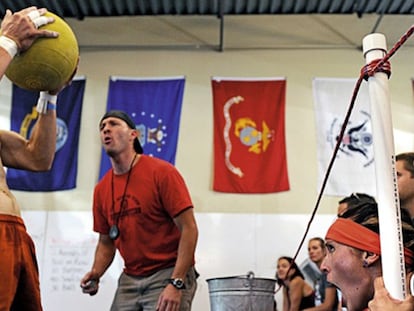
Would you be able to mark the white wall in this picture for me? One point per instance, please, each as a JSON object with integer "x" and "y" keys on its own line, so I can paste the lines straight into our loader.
{"x": 195, "y": 145}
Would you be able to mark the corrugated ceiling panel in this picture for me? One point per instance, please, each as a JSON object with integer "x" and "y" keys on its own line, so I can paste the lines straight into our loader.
{"x": 275, "y": 6}
{"x": 85, "y": 8}
{"x": 407, "y": 6}
{"x": 402, "y": 6}
{"x": 347, "y": 7}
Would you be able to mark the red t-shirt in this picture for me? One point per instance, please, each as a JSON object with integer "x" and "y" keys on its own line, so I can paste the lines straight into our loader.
{"x": 155, "y": 194}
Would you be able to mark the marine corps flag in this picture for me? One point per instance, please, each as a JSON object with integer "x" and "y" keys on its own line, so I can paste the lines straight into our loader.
{"x": 62, "y": 175}
{"x": 249, "y": 135}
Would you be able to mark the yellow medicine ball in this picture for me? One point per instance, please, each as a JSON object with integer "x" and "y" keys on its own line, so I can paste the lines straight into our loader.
{"x": 49, "y": 62}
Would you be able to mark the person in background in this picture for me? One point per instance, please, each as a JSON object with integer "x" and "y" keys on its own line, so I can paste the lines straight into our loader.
{"x": 19, "y": 285}
{"x": 353, "y": 260}
{"x": 326, "y": 297}
{"x": 356, "y": 199}
{"x": 297, "y": 293}
{"x": 142, "y": 208}
{"x": 405, "y": 179}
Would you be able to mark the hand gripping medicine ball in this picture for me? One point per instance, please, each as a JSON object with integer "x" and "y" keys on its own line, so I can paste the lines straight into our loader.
{"x": 49, "y": 62}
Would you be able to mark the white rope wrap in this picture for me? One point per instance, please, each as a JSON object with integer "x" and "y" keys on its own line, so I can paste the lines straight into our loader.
{"x": 9, "y": 45}
{"x": 33, "y": 14}
{"x": 46, "y": 102}
{"x": 42, "y": 20}
{"x": 39, "y": 20}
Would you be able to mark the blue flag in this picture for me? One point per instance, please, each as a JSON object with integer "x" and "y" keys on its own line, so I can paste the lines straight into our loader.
{"x": 63, "y": 174}
{"x": 154, "y": 104}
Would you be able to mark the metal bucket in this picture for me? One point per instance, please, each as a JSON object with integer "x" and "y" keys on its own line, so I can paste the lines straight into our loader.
{"x": 241, "y": 293}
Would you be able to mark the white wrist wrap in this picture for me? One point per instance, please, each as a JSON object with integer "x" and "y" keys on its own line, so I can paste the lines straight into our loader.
{"x": 9, "y": 45}
{"x": 46, "y": 102}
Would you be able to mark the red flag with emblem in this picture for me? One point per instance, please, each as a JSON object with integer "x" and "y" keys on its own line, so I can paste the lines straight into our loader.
{"x": 249, "y": 135}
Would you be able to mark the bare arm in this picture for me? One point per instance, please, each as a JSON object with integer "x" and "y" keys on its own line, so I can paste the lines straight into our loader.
{"x": 285, "y": 300}
{"x": 36, "y": 153}
{"x": 185, "y": 221}
{"x": 5, "y": 60}
{"x": 186, "y": 249}
{"x": 18, "y": 33}
{"x": 104, "y": 255}
{"x": 295, "y": 293}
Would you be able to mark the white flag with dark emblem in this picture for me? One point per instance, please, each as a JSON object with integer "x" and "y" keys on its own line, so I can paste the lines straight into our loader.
{"x": 353, "y": 169}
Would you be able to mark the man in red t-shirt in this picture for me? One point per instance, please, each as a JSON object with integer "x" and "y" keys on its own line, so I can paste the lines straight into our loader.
{"x": 142, "y": 208}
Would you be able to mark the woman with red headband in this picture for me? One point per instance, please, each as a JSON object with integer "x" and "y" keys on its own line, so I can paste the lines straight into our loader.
{"x": 353, "y": 262}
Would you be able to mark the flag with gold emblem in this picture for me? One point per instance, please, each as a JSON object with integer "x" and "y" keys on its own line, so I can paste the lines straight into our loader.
{"x": 63, "y": 174}
{"x": 249, "y": 135}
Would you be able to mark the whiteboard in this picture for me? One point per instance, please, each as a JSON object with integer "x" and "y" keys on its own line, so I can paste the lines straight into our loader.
{"x": 64, "y": 255}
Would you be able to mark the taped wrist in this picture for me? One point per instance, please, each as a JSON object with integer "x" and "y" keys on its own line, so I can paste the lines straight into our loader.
{"x": 46, "y": 102}
{"x": 9, "y": 45}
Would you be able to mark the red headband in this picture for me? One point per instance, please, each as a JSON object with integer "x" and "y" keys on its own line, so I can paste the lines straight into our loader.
{"x": 350, "y": 233}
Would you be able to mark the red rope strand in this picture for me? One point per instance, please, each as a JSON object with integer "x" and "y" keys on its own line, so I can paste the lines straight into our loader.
{"x": 379, "y": 65}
